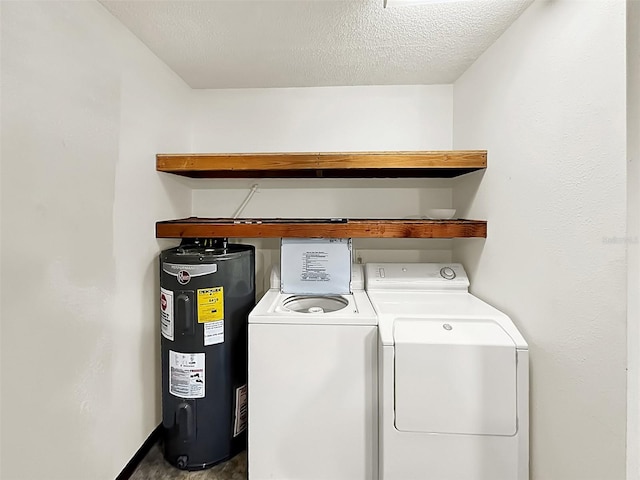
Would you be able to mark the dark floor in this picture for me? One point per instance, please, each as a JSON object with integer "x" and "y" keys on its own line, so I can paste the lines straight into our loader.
{"x": 154, "y": 467}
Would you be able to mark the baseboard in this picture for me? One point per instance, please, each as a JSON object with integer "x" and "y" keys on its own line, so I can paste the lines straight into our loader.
{"x": 148, "y": 444}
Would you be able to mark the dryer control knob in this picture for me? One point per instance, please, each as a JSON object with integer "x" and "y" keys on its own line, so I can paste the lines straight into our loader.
{"x": 447, "y": 273}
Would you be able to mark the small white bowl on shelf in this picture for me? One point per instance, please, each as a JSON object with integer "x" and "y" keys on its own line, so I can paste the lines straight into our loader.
{"x": 441, "y": 213}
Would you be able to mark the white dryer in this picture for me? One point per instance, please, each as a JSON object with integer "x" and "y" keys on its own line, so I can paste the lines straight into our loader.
{"x": 453, "y": 378}
{"x": 312, "y": 396}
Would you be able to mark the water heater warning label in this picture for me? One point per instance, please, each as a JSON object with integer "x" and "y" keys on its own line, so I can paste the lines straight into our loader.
{"x": 210, "y": 304}
{"x": 214, "y": 333}
{"x": 166, "y": 313}
{"x": 186, "y": 374}
{"x": 240, "y": 421}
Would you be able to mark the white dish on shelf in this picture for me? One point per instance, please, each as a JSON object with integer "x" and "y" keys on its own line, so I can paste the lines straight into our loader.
{"x": 441, "y": 213}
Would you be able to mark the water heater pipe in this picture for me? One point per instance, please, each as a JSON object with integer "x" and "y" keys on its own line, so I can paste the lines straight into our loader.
{"x": 254, "y": 188}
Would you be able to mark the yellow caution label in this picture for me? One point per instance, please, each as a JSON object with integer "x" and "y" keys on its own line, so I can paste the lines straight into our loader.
{"x": 210, "y": 304}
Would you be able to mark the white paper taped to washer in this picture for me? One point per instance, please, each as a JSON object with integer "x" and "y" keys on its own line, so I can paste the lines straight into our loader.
{"x": 315, "y": 266}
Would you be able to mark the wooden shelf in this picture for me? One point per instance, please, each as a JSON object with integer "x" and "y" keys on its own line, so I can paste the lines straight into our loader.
{"x": 194, "y": 227}
{"x": 323, "y": 164}
{"x": 327, "y": 165}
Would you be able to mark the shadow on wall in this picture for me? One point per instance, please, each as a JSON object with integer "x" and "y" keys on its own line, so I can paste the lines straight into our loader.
{"x": 152, "y": 363}
{"x": 465, "y": 190}
{"x": 472, "y": 253}
{"x": 175, "y": 189}
{"x": 469, "y": 251}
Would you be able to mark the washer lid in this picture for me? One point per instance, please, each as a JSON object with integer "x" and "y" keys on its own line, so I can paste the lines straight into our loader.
{"x": 315, "y": 266}
{"x": 454, "y": 376}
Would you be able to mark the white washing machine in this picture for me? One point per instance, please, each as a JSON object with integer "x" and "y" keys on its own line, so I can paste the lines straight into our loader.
{"x": 453, "y": 377}
{"x": 313, "y": 385}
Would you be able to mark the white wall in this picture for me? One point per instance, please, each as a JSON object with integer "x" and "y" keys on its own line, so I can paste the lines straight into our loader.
{"x": 85, "y": 107}
{"x": 323, "y": 119}
{"x": 1, "y": 427}
{"x": 633, "y": 236}
{"x": 548, "y": 102}
{"x": 327, "y": 119}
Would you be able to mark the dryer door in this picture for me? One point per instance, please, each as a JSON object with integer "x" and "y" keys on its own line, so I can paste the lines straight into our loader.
{"x": 454, "y": 376}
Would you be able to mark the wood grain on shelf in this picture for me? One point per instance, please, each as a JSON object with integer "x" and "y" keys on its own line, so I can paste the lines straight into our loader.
{"x": 351, "y": 228}
{"x": 323, "y": 164}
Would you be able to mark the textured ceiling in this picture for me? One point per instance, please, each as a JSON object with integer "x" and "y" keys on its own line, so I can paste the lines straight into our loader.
{"x": 304, "y": 43}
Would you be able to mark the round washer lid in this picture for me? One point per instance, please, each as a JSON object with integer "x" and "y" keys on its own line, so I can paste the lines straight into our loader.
{"x": 315, "y": 304}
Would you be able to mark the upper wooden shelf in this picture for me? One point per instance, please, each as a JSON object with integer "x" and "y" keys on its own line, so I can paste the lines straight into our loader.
{"x": 323, "y": 164}
{"x": 195, "y": 227}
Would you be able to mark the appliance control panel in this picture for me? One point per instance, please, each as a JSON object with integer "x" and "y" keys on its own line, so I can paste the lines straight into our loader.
{"x": 416, "y": 276}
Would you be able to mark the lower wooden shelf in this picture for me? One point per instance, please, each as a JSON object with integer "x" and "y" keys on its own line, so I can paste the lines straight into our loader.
{"x": 195, "y": 227}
